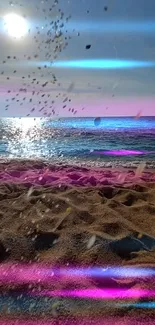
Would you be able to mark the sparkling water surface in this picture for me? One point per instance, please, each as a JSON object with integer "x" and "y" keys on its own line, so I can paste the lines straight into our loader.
{"x": 101, "y": 140}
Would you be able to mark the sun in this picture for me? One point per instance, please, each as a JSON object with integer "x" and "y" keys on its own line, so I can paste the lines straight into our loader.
{"x": 16, "y": 25}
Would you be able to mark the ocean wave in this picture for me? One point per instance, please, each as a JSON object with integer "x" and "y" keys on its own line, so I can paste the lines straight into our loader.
{"x": 98, "y": 146}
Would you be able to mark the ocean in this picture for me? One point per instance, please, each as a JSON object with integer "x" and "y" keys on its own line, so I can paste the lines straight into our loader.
{"x": 85, "y": 141}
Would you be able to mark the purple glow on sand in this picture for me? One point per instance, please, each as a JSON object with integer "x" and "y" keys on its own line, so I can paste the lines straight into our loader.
{"x": 66, "y": 175}
{"x": 99, "y": 293}
{"x": 25, "y": 273}
{"x": 80, "y": 321}
{"x": 122, "y": 152}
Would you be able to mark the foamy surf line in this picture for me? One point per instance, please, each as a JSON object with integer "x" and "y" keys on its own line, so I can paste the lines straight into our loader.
{"x": 82, "y": 162}
{"x": 32, "y": 172}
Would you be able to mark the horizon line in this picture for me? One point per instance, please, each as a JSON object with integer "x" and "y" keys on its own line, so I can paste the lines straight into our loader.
{"x": 62, "y": 117}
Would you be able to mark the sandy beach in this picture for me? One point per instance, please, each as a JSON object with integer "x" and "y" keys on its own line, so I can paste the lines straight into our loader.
{"x": 77, "y": 162}
{"x": 72, "y": 217}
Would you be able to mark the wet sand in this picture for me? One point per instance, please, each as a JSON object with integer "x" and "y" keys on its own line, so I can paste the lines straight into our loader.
{"x": 71, "y": 217}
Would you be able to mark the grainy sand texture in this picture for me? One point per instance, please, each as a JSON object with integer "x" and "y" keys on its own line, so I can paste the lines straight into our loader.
{"x": 63, "y": 217}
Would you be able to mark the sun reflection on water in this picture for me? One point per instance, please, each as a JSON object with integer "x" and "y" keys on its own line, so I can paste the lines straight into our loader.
{"x": 26, "y": 123}
{"x": 26, "y": 134}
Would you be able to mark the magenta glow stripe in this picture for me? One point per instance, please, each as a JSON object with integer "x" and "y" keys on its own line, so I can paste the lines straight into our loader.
{"x": 24, "y": 273}
{"x": 98, "y": 293}
{"x": 123, "y": 152}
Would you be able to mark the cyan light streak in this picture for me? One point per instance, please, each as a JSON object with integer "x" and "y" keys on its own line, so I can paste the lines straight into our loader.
{"x": 98, "y": 64}
{"x": 103, "y": 64}
{"x": 146, "y": 305}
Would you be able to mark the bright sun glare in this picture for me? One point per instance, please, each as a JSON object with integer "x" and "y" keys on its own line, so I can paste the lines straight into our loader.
{"x": 16, "y": 25}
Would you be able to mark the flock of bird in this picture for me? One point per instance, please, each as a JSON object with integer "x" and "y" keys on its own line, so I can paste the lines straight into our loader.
{"x": 49, "y": 39}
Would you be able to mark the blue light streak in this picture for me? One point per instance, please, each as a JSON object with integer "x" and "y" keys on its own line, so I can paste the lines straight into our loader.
{"x": 105, "y": 272}
{"x": 117, "y": 26}
{"x": 100, "y": 27}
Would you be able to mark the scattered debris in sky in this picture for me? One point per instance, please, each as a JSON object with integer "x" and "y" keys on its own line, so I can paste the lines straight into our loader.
{"x": 38, "y": 82}
{"x": 88, "y": 46}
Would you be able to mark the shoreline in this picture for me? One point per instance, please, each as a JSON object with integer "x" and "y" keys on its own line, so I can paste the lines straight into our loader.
{"x": 121, "y": 164}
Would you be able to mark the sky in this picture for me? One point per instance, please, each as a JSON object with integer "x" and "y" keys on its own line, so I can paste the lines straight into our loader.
{"x": 37, "y": 77}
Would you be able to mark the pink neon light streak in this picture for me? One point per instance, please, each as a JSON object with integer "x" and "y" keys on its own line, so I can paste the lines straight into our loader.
{"x": 123, "y": 152}
{"x": 99, "y": 293}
